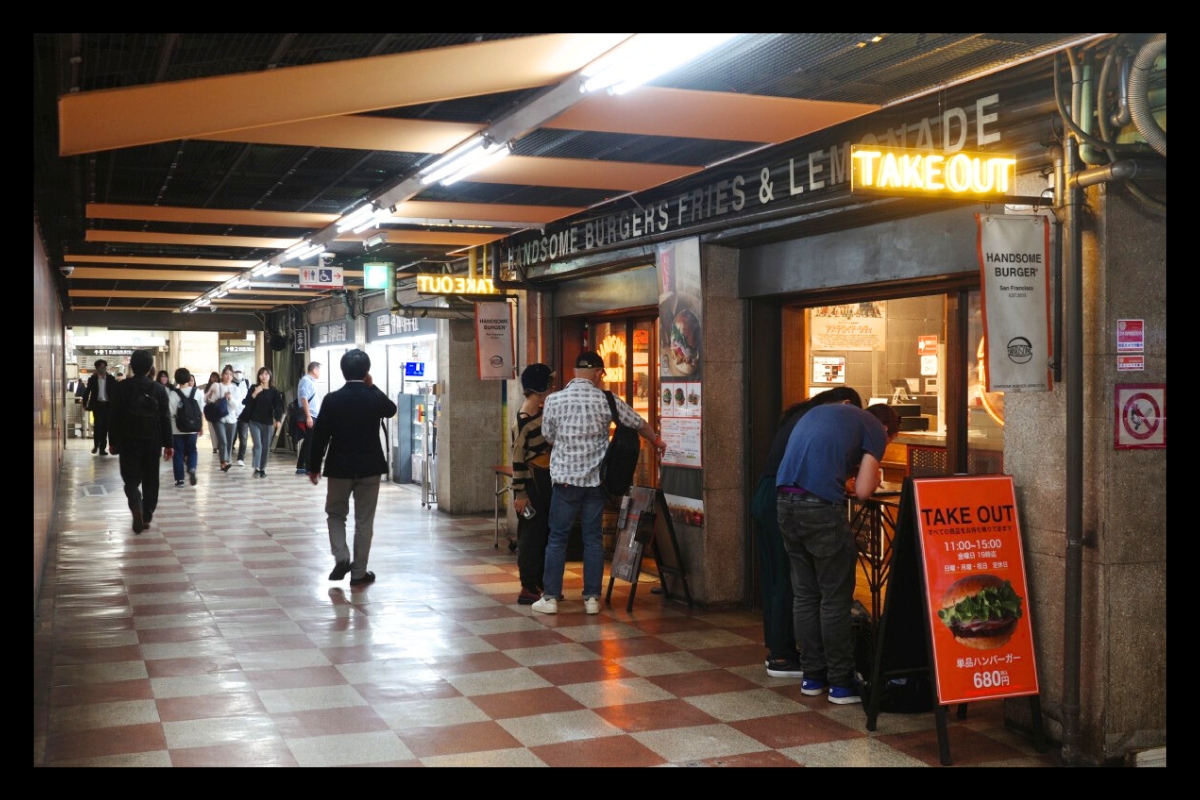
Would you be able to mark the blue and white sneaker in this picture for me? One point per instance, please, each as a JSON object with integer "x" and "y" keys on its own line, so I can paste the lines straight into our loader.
{"x": 813, "y": 687}
{"x": 844, "y": 695}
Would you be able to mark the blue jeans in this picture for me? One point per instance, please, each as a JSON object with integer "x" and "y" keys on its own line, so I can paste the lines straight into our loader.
{"x": 224, "y": 432}
{"x": 774, "y": 574}
{"x": 817, "y": 538}
{"x": 263, "y": 433}
{"x": 566, "y": 503}
{"x": 185, "y": 453}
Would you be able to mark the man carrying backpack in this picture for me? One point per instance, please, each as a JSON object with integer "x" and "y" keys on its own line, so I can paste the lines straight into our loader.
{"x": 187, "y": 420}
{"x": 575, "y": 421}
{"x": 140, "y": 430}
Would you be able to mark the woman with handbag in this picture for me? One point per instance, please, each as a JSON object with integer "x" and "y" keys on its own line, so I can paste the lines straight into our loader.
{"x": 264, "y": 412}
{"x": 213, "y": 379}
{"x": 230, "y": 395}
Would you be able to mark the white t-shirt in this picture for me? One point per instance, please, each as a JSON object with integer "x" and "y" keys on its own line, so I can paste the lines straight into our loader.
{"x": 237, "y": 396}
{"x": 173, "y": 401}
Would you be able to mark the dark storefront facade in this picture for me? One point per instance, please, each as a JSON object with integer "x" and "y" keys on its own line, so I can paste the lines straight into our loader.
{"x": 805, "y": 285}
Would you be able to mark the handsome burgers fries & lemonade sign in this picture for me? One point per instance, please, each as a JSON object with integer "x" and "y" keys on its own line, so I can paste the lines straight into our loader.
{"x": 973, "y": 566}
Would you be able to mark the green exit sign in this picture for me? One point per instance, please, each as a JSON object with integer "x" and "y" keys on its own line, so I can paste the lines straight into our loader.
{"x": 375, "y": 276}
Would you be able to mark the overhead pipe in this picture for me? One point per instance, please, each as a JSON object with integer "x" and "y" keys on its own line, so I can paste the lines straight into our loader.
{"x": 1139, "y": 94}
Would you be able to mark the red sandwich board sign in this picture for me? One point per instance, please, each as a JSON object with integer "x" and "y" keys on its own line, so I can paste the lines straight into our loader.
{"x": 973, "y": 568}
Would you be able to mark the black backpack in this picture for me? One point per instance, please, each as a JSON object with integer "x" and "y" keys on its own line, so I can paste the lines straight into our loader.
{"x": 142, "y": 423}
{"x": 621, "y": 458}
{"x": 187, "y": 415}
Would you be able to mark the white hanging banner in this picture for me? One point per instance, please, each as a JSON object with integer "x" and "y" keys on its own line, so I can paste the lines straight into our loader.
{"x": 495, "y": 347}
{"x": 1014, "y": 254}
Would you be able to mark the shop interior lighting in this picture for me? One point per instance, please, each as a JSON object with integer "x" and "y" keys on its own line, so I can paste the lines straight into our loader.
{"x": 646, "y": 56}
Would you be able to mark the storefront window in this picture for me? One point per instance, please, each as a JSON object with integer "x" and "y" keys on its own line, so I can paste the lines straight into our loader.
{"x": 629, "y": 347}
{"x": 895, "y": 351}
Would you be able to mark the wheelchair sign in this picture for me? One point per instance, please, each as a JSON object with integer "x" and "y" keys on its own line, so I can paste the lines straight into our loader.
{"x": 320, "y": 277}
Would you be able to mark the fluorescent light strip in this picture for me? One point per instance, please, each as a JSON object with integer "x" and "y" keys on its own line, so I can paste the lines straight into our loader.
{"x": 478, "y": 164}
{"x": 646, "y": 57}
{"x": 356, "y": 217}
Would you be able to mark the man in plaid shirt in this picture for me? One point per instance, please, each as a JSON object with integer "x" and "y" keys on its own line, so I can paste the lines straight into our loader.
{"x": 575, "y": 421}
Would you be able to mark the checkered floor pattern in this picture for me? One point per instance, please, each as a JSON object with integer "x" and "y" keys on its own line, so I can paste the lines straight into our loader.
{"x": 215, "y": 638}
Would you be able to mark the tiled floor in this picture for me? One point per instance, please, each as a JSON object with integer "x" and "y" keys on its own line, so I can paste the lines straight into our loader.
{"x": 215, "y": 639}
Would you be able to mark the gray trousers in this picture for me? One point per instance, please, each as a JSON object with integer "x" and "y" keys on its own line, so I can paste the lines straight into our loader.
{"x": 365, "y": 492}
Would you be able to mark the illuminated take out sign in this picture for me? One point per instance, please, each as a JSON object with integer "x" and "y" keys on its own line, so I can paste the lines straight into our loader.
{"x": 895, "y": 170}
{"x": 454, "y": 284}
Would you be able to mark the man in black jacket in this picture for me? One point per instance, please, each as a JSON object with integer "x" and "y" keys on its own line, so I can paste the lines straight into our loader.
{"x": 140, "y": 433}
{"x": 348, "y": 427}
{"x": 96, "y": 398}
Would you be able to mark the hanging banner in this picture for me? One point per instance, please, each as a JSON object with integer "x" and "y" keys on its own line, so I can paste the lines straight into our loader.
{"x": 495, "y": 347}
{"x": 1014, "y": 255}
{"x": 977, "y": 599}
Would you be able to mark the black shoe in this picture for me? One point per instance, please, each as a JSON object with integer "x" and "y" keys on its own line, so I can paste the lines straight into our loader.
{"x": 192, "y": 476}
{"x": 139, "y": 524}
{"x": 179, "y": 483}
{"x": 147, "y": 517}
{"x": 225, "y": 467}
{"x": 95, "y": 450}
{"x": 368, "y": 577}
{"x": 339, "y": 571}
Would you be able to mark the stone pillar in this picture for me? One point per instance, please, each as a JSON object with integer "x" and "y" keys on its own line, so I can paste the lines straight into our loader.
{"x": 1123, "y": 687}
{"x": 471, "y": 425}
{"x": 717, "y": 572}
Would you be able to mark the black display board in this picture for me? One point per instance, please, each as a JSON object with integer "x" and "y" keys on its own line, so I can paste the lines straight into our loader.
{"x": 645, "y": 520}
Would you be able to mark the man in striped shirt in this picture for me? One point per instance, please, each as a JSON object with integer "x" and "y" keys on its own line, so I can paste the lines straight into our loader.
{"x": 531, "y": 482}
{"x": 575, "y": 421}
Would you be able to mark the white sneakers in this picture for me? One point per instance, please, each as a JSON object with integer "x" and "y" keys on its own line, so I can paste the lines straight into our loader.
{"x": 241, "y": 463}
{"x": 547, "y": 605}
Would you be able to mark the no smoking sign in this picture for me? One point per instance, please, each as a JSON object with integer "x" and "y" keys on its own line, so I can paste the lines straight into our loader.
{"x": 1141, "y": 411}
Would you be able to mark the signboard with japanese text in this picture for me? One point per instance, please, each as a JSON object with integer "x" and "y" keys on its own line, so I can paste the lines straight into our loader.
{"x": 301, "y": 340}
{"x": 1131, "y": 335}
{"x": 977, "y": 600}
{"x": 1014, "y": 272}
{"x": 854, "y": 326}
{"x": 495, "y": 347}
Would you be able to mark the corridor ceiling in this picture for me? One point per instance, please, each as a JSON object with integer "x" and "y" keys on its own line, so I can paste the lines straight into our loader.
{"x": 167, "y": 164}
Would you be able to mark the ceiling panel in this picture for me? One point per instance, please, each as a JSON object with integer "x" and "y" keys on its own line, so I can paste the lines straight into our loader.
{"x": 165, "y": 162}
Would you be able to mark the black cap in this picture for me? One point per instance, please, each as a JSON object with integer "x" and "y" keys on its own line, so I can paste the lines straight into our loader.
{"x": 536, "y": 378}
{"x": 589, "y": 360}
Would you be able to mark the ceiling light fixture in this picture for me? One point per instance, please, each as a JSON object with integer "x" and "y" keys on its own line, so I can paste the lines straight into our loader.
{"x": 376, "y": 240}
{"x": 356, "y": 217}
{"x": 475, "y": 148}
{"x": 645, "y": 57}
{"x": 490, "y": 157}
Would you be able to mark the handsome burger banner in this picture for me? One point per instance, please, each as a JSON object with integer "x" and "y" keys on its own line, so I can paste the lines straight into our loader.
{"x": 1014, "y": 267}
{"x": 495, "y": 347}
{"x": 977, "y": 599}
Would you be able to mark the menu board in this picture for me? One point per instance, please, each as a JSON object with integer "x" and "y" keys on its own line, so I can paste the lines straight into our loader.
{"x": 973, "y": 566}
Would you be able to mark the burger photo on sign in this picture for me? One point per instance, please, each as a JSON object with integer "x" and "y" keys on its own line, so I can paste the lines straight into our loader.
{"x": 981, "y": 611}
{"x": 685, "y": 343}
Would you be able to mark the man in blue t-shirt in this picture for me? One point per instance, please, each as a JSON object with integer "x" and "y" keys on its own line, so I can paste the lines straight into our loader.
{"x": 828, "y": 445}
{"x": 309, "y": 395}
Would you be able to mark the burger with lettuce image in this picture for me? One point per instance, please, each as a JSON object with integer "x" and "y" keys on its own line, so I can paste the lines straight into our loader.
{"x": 685, "y": 343}
{"x": 981, "y": 611}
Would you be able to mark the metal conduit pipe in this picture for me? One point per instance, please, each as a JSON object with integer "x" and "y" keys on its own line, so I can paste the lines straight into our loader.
{"x": 1072, "y": 200}
{"x": 1139, "y": 94}
{"x": 1123, "y": 170}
